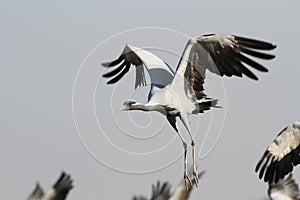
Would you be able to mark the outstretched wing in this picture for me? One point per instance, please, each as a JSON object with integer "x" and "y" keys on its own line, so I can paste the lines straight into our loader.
{"x": 161, "y": 191}
{"x": 160, "y": 73}
{"x": 60, "y": 189}
{"x": 286, "y": 188}
{"x": 281, "y": 155}
{"x": 37, "y": 193}
{"x": 224, "y": 55}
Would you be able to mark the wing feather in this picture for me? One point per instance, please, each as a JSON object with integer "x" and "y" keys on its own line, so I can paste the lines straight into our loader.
{"x": 160, "y": 191}
{"x": 37, "y": 193}
{"x": 256, "y": 53}
{"x": 115, "y": 71}
{"x": 140, "y": 58}
{"x": 253, "y": 64}
{"x": 281, "y": 155}
{"x": 115, "y": 62}
{"x": 226, "y": 47}
{"x": 60, "y": 189}
{"x": 120, "y": 75}
{"x": 255, "y": 44}
{"x": 224, "y": 55}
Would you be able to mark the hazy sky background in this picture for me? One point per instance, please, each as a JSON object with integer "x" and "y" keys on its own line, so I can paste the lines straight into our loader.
{"x": 45, "y": 43}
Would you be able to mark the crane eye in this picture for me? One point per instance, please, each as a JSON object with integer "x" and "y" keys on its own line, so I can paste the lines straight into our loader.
{"x": 131, "y": 102}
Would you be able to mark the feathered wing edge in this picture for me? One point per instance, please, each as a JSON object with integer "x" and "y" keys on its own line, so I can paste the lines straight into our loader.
{"x": 37, "y": 193}
{"x": 63, "y": 186}
{"x": 281, "y": 155}
{"x": 159, "y": 191}
{"x": 159, "y": 71}
{"x": 127, "y": 58}
{"x": 227, "y": 53}
{"x": 224, "y": 55}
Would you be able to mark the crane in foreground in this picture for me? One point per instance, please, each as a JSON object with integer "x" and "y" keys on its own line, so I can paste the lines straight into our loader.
{"x": 58, "y": 191}
{"x": 281, "y": 155}
{"x": 181, "y": 93}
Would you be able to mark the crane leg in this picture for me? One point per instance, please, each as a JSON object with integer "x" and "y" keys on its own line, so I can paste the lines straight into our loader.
{"x": 195, "y": 173}
{"x": 187, "y": 180}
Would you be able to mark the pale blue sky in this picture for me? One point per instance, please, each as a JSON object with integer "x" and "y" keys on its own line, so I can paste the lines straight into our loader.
{"x": 43, "y": 45}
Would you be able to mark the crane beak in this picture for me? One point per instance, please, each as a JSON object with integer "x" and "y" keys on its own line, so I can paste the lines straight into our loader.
{"x": 122, "y": 109}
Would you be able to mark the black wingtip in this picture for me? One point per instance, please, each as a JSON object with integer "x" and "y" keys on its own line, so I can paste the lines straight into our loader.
{"x": 273, "y": 46}
{"x": 112, "y": 81}
{"x": 257, "y": 167}
{"x": 257, "y": 54}
{"x": 115, "y": 72}
{"x": 250, "y": 74}
{"x": 255, "y": 78}
{"x": 271, "y": 56}
{"x": 114, "y": 62}
{"x": 106, "y": 64}
{"x": 253, "y": 64}
{"x": 121, "y": 70}
{"x": 106, "y": 75}
{"x": 253, "y": 43}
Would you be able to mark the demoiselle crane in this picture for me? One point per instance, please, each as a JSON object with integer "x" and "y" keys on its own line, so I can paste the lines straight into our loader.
{"x": 162, "y": 191}
{"x": 58, "y": 191}
{"x": 181, "y": 93}
{"x": 284, "y": 189}
{"x": 281, "y": 155}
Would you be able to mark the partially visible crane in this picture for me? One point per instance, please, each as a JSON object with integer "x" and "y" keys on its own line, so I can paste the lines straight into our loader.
{"x": 58, "y": 191}
{"x": 281, "y": 155}
{"x": 161, "y": 191}
{"x": 284, "y": 189}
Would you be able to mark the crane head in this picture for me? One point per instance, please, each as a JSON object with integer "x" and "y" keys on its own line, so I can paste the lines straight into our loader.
{"x": 127, "y": 105}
